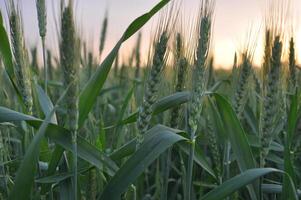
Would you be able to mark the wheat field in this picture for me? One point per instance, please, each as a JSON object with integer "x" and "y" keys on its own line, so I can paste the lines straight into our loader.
{"x": 85, "y": 125}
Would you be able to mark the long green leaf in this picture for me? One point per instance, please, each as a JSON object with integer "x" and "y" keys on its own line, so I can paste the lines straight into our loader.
{"x": 162, "y": 105}
{"x": 59, "y": 177}
{"x": 241, "y": 180}
{"x": 238, "y": 139}
{"x": 62, "y": 137}
{"x": 236, "y": 134}
{"x": 291, "y": 128}
{"x": 156, "y": 141}
{"x": 124, "y": 151}
{"x": 91, "y": 90}
{"x": 130, "y": 147}
{"x": 169, "y": 102}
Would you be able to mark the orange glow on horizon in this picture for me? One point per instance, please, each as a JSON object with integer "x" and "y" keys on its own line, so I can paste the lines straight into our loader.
{"x": 232, "y": 21}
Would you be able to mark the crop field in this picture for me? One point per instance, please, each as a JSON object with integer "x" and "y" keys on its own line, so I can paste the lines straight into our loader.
{"x": 81, "y": 125}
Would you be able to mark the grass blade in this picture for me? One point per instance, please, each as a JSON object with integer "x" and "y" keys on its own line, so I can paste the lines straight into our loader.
{"x": 91, "y": 90}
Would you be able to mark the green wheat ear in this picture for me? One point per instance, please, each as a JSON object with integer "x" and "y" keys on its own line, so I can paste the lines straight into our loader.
{"x": 152, "y": 82}
{"x": 70, "y": 64}
{"x": 214, "y": 148}
{"x": 267, "y": 56}
{"x": 199, "y": 81}
{"x": 69, "y": 60}
{"x": 34, "y": 59}
{"x": 271, "y": 101}
{"x": 21, "y": 69}
{"x": 181, "y": 64}
{"x": 42, "y": 22}
{"x": 103, "y": 35}
{"x": 42, "y": 17}
{"x": 245, "y": 70}
{"x": 292, "y": 64}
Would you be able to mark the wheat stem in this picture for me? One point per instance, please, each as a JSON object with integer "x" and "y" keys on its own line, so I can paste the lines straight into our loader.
{"x": 45, "y": 66}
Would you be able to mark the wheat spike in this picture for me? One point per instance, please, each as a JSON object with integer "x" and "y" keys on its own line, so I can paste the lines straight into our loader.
{"x": 42, "y": 17}
{"x": 271, "y": 101}
{"x": 21, "y": 59}
{"x": 69, "y": 56}
{"x": 103, "y": 35}
{"x": 292, "y": 64}
{"x": 149, "y": 98}
{"x": 241, "y": 87}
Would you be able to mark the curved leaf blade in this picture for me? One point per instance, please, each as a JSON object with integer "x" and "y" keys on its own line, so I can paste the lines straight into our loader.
{"x": 239, "y": 142}
{"x": 62, "y": 137}
{"x": 236, "y": 134}
{"x": 162, "y": 105}
{"x": 291, "y": 128}
{"x": 157, "y": 140}
{"x": 241, "y": 180}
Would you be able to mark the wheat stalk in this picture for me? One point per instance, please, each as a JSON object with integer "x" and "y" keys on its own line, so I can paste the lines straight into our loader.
{"x": 199, "y": 83}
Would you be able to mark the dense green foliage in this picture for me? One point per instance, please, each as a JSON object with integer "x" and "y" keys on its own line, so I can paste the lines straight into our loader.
{"x": 174, "y": 129}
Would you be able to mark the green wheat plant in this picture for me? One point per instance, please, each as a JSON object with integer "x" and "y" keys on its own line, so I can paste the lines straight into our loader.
{"x": 161, "y": 121}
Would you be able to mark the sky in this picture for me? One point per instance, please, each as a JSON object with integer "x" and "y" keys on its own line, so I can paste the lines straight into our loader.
{"x": 233, "y": 20}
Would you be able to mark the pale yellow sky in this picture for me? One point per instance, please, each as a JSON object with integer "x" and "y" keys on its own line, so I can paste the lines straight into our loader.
{"x": 233, "y": 20}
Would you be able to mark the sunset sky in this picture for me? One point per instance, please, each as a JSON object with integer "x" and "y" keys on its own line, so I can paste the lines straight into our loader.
{"x": 233, "y": 20}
